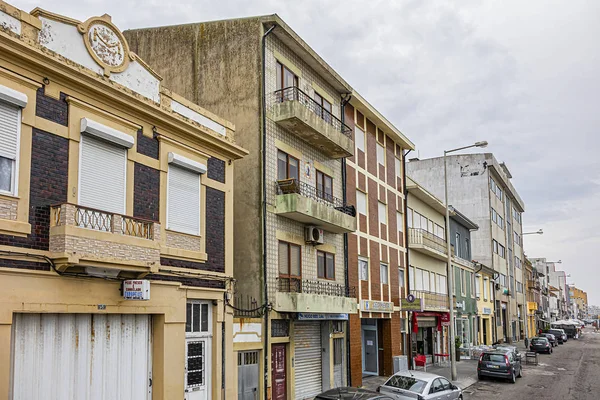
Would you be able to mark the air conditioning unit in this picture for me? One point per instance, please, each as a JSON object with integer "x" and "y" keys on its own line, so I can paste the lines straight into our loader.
{"x": 313, "y": 235}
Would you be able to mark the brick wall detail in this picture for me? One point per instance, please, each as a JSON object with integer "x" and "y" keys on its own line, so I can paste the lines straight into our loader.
{"x": 146, "y": 192}
{"x": 147, "y": 146}
{"x": 52, "y": 109}
{"x": 216, "y": 169}
{"x": 8, "y": 209}
{"x": 183, "y": 241}
{"x": 215, "y": 229}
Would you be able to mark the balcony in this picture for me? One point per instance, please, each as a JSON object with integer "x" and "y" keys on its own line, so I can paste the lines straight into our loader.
{"x": 298, "y": 113}
{"x": 107, "y": 243}
{"x": 306, "y": 204}
{"x": 427, "y": 243}
{"x": 432, "y": 301}
{"x": 307, "y": 296}
{"x": 533, "y": 284}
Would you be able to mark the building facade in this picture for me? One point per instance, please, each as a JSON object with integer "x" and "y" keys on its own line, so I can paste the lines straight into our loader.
{"x": 290, "y": 214}
{"x": 485, "y": 304}
{"x": 427, "y": 275}
{"x": 116, "y": 213}
{"x": 579, "y": 298}
{"x": 481, "y": 188}
{"x": 377, "y": 250}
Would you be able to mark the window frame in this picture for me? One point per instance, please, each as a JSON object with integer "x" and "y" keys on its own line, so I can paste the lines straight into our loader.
{"x": 287, "y": 165}
{"x": 322, "y": 102}
{"x": 325, "y": 271}
{"x": 378, "y": 147}
{"x": 381, "y": 275}
{"x": 168, "y": 226}
{"x": 360, "y": 146}
{"x": 14, "y": 179}
{"x": 463, "y": 282}
{"x": 358, "y": 208}
{"x": 360, "y": 273}
{"x": 289, "y": 259}
{"x": 399, "y": 221}
{"x": 281, "y": 68}
{"x": 485, "y": 289}
{"x": 379, "y": 208}
{"x": 321, "y": 192}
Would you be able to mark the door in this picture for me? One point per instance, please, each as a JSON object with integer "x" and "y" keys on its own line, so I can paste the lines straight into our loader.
{"x": 338, "y": 362}
{"x": 81, "y": 356}
{"x": 307, "y": 359}
{"x": 248, "y": 375}
{"x": 279, "y": 374}
{"x": 196, "y": 356}
{"x": 370, "y": 351}
{"x": 485, "y": 330}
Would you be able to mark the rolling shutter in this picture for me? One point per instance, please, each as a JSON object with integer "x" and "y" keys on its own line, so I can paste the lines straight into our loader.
{"x": 307, "y": 359}
{"x": 103, "y": 171}
{"x": 183, "y": 201}
{"x": 81, "y": 356}
{"x": 9, "y": 130}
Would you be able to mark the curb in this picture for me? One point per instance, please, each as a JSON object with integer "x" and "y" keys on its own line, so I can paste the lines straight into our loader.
{"x": 465, "y": 383}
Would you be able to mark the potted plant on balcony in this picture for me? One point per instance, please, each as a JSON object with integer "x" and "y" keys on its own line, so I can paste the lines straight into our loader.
{"x": 457, "y": 344}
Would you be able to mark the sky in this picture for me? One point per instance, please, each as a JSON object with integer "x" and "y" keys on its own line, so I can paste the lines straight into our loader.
{"x": 523, "y": 75}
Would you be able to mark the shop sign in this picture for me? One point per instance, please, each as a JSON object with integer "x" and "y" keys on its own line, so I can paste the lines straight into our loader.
{"x": 137, "y": 289}
{"x": 445, "y": 319}
{"x": 486, "y": 311}
{"x": 377, "y": 306}
{"x": 321, "y": 317}
{"x": 415, "y": 305}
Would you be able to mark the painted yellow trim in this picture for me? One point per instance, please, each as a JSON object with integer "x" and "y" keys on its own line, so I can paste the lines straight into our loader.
{"x": 288, "y": 149}
{"x": 103, "y": 236}
{"x": 247, "y": 346}
{"x": 181, "y": 148}
{"x": 285, "y": 61}
{"x": 111, "y": 120}
{"x": 20, "y": 15}
{"x": 52, "y": 90}
{"x": 323, "y": 93}
{"x": 183, "y": 254}
{"x": 198, "y": 109}
{"x": 285, "y": 339}
{"x": 194, "y": 272}
{"x": 37, "y": 12}
{"x": 51, "y": 127}
{"x": 19, "y": 79}
{"x": 195, "y": 293}
{"x": 290, "y": 237}
{"x": 17, "y": 228}
{"x": 328, "y": 247}
{"x": 143, "y": 159}
{"x": 129, "y": 183}
{"x": 324, "y": 168}
{"x": 223, "y": 187}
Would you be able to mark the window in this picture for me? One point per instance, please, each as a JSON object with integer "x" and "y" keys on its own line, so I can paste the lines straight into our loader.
{"x": 467, "y": 249}
{"x": 411, "y": 278}
{"x": 516, "y": 215}
{"x": 380, "y": 154}
{"x": 325, "y": 265}
{"x": 441, "y": 286}
{"x": 288, "y": 167}
{"x": 426, "y": 281}
{"x": 325, "y": 107}
{"x": 474, "y": 285}
{"x": 285, "y": 78}
{"x": 501, "y": 251}
{"x": 430, "y": 228}
{"x": 382, "y": 213}
{"x": 399, "y": 221}
{"x": 418, "y": 279}
{"x": 398, "y": 167}
{"x": 502, "y": 280}
{"x": 359, "y": 138}
{"x": 457, "y": 245}
{"x": 495, "y": 245}
{"x": 439, "y": 232}
{"x": 383, "y": 270}
{"x": 183, "y": 200}
{"x": 197, "y": 317}
{"x": 324, "y": 186}
{"x": 424, "y": 223}
{"x": 432, "y": 282}
{"x": 518, "y": 262}
{"x": 485, "y": 289}
{"x": 519, "y": 287}
{"x": 290, "y": 260}
{"x": 10, "y": 131}
{"x": 361, "y": 202}
{"x": 400, "y": 277}
{"x": 409, "y": 217}
{"x": 517, "y": 238}
{"x": 500, "y": 222}
{"x": 363, "y": 269}
{"x": 417, "y": 220}
{"x": 463, "y": 282}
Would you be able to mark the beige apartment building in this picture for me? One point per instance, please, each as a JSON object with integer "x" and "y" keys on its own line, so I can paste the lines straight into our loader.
{"x": 290, "y": 212}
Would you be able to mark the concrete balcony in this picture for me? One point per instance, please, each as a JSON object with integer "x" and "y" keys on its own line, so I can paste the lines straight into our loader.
{"x": 432, "y": 301}
{"x": 427, "y": 243}
{"x": 96, "y": 242}
{"x": 298, "y": 113}
{"x": 304, "y": 203}
{"x": 306, "y": 296}
{"x": 533, "y": 284}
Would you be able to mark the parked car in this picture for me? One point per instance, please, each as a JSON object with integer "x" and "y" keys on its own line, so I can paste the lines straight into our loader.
{"x": 500, "y": 363}
{"x": 540, "y": 345}
{"x": 514, "y": 349}
{"x": 411, "y": 385}
{"x": 349, "y": 393}
{"x": 560, "y": 335}
{"x": 551, "y": 338}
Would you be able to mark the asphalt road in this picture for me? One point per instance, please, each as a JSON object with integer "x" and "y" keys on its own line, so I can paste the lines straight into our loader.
{"x": 572, "y": 371}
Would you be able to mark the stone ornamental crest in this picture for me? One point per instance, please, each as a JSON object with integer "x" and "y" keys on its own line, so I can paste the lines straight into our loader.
{"x": 106, "y": 44}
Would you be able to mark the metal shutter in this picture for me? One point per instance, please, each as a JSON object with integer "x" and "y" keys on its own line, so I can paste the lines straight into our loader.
{"x": 9, "y": 130}
{"x": 183, "y": 200}
{"x": 307, "y": 359}
{"x": 102, "y": 175}
{"x": 81, "y": 356}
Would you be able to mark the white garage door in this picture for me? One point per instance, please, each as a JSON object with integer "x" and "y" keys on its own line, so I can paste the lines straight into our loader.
{"x": 307, "y": 359}
{"x": 81, "y": 356}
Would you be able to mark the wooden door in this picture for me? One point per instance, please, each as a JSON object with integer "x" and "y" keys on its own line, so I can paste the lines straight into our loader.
{"x": 279, "y": 374}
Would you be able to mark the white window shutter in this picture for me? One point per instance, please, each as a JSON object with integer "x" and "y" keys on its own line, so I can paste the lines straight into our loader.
{"x": 103, "y": 173}
{"x": 183, "y": 202}
{"x": 9, "y": 130}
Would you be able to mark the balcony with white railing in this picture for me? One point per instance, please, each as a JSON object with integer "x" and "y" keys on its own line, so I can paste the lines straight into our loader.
{"x": 432, "y": 301}
{"x": 85, "y": 237}
{"x": 427, "y": 243}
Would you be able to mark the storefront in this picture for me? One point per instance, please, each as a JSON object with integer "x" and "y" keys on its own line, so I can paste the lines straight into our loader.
{"x": 485, "y": 326}
{"x": 430, "y": 336}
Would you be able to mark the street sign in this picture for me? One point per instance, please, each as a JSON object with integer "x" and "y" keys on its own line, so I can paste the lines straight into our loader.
{"x": 415, "y": 305}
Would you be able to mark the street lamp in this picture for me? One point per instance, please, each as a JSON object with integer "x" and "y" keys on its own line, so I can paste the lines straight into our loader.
{"x": 449, "y": 261}
{"x": 538, "y": 232}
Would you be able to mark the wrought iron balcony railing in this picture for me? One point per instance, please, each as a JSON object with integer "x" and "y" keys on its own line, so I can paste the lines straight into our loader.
{"x": 533, "y": 284}
{"x": 295, "y": 94}
{"x": 428, "y": 239}
{"x": 432, "y": 300}
{"x": 90, "y": 218}
{"x": 298, "y": 285}
{"x": 288, "y": 186}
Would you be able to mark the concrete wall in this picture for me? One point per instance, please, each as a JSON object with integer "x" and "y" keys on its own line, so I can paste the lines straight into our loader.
{"x": 461, "y": 249}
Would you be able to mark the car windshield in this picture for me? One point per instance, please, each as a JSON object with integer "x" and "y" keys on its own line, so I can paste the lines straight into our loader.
{"x": 493, "y": 357}
{"x": 407, "y": 383}
{"x": 538, "y": 340}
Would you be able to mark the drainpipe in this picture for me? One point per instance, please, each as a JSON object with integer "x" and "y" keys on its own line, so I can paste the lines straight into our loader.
{"x": 264, "y": 211}
{"x": 343, "y": 103}
{"x": 407, "y": 258}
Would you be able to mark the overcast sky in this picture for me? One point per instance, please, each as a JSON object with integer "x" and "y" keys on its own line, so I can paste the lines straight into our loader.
{"x": 523, "y": 75}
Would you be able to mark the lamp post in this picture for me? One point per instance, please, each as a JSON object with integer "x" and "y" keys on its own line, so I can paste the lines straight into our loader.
{"x": 450, "y": 272}
{"x": 538, "y": 232}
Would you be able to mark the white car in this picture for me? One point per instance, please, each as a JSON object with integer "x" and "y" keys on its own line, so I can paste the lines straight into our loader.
{"x": 417, "y": 385}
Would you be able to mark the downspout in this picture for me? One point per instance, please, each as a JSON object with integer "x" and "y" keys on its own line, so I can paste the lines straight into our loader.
{"x": 343, "y": 103}
{"x": 407, "y": 258}
{"x": 264, "y": 213}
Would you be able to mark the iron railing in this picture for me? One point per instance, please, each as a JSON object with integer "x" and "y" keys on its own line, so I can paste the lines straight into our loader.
{"x": 246, "y": 306}
{"x": 533, "y": 284}
{"x": 427, "y": 239}
{"x": 288, "y": 186}
{"x": 295, "y": 94}
{"x": 90, "y": 218}
{"x": 137, "y": 227}
{"x": 432, "y": 300}
{"x": 298, "y": 285}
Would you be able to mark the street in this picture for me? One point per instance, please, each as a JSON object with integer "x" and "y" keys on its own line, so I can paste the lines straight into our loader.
{"x": 571, "y": 372}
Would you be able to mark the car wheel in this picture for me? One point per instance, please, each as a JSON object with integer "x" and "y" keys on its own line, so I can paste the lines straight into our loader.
{"x": 513, "y": 379}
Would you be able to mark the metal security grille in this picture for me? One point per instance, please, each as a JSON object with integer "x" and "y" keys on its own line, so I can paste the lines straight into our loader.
{"x": 308, "y": 353}
{"x": 195, "y": 364}
{"x": 280, "y": 328}
{"x": 248, "y": 375}
{"x": 338, "y": 362}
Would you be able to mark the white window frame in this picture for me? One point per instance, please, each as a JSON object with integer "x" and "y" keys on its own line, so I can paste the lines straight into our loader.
{"x": 442, "y": 285}
{"x": 380, "y": 154}
{"x": 485, "y": 289}
{"x": 418, "y": 279}
{"x": 14, "y": 183}
{"x": 409, "y": 217}
{"x": 360, "y": 196}
{"x": 399, "y": 221}
{"x": 411, "y": 277}
{"x": 360, "y": 270}
{"x": 382, "y": 208}
{"x": 180, "y": 162}
{"x": 382, "y": 275}
{"x": 398, "y": 164}
{"x": 426, "y": 280}
{"x": 463, "y": 282}
{"x": 359, "y": 133}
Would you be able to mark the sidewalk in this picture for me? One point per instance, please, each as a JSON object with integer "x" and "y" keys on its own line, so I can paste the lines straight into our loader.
{"x": 465, "y": 369}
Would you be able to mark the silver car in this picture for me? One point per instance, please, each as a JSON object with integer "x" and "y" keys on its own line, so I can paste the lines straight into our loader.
{"x": 417, "y": 385}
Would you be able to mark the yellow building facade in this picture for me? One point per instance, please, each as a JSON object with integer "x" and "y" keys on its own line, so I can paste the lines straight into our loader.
{"x": 115, "y": 218}
{"x": 485, "y": 305}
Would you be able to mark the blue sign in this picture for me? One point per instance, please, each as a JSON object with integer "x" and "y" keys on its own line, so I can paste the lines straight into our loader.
{"x": 410, "y": 298}
{"x": 321, "y": 317}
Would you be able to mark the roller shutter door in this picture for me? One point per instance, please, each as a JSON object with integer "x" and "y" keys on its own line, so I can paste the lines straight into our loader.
{"x": 81, "y": 356}
{"x": 307, "y": 359}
